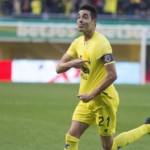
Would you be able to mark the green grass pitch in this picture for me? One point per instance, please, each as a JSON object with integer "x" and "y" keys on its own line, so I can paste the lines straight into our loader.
{"x": 37, "y": 116}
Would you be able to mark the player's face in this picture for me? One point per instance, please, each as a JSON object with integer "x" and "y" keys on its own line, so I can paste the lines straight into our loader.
{"x": 85, "y": 21}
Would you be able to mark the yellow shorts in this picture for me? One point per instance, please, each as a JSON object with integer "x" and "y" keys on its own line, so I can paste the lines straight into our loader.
{"x": 100, "y": 111}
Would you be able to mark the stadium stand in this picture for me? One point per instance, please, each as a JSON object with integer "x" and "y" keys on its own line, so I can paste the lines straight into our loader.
{"x": 107, "y": 9}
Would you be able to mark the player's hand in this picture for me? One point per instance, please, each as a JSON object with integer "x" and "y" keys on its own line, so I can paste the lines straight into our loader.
{"x": 85, "y": 97}
{"x": 78, "y": 63}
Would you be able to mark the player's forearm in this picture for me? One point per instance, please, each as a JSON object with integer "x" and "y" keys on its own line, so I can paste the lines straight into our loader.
{"x": 104, "y": 84}
{"x": 63, "y": 67}
{"x": 87, "y": 97}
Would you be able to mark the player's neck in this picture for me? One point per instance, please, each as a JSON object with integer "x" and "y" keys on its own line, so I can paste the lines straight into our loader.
{"x": 88, "y": 35}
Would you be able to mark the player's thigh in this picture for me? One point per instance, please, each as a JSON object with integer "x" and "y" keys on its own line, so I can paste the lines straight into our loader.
{"x": 83, "y": 114}
{"x": 106, "y": 115}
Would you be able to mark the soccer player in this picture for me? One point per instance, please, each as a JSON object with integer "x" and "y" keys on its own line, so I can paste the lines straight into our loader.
{"x": 98, "y": 98}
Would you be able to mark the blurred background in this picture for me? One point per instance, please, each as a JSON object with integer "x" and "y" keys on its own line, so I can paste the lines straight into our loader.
{"x": 35, "y": 33}
{"x": 62, "y": 8}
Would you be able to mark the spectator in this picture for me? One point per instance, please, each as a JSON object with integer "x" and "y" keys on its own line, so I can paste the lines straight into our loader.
{"x": 143, "y": 8}
{"x": 36, "y": 7}
{"x": 123, "y": 7}
{"x": 83, "y": 2}
{"x": 25, "y": 6}
{"x": 45, "y": 13}
{"x": 110, "y": 7}
{"x": 99, "y": 5}
{"x": 46, "y": 5}
{"x": 7, "y": 7}
{"x": 134, "y": 6}
{"x": 56, "y": 6}
{"x": 17, "y": 7}
{"x": 75, "y": 7}
{"x": 68, "y": 6}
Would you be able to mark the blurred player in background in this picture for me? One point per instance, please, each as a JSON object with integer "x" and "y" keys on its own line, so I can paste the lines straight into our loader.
{"x": 98, "y": 98}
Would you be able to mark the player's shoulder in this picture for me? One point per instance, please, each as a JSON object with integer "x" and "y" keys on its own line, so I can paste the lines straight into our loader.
{"x": 78, "y": 39}
{"x": 101, "y": 36}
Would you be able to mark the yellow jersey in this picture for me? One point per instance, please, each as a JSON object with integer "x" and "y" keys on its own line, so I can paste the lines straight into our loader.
{"x": 93, "y": 72}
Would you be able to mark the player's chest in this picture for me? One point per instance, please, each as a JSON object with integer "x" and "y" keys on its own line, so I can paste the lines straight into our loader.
{"x": 85, "y": 51}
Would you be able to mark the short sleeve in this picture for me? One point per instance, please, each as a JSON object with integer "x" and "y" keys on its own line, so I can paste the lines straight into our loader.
{"x": 72, "y": 50}
{"x": 103, "y": 49}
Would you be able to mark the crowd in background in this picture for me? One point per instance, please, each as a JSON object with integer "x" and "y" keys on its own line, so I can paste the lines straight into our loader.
{"x": 70, "y": 7}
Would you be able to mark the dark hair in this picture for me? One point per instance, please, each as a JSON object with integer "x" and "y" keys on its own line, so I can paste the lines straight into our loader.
{"x": 90, "y": 8}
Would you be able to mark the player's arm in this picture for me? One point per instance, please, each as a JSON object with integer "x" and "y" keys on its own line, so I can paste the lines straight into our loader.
{"x": 111, "y": 74}
{"x": 67, "y": 62}
{"x": 64, "y": 63}
{"x": 108, "y": 80}
{"x": 110, "y": 77}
